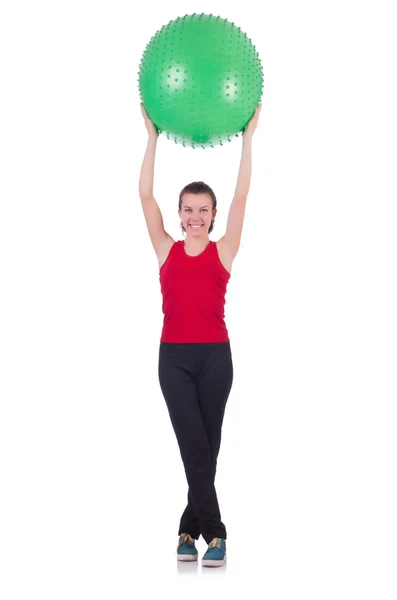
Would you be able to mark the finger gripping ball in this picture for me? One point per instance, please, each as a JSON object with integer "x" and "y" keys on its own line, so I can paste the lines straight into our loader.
{"x": 200, "y": 80}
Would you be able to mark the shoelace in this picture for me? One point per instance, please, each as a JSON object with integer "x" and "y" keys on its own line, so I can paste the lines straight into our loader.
{"x": 215, "y": 543}
{"x": 185, "y": 537}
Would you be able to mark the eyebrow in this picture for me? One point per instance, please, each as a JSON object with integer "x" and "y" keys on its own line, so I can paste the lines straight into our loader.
{"x": 187, "y": 206}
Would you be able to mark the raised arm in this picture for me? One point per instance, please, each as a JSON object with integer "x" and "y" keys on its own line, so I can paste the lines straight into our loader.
{"x": 147, "y": 170}
{"x": 235, "y": 219}
{"x": 151, "y": 210}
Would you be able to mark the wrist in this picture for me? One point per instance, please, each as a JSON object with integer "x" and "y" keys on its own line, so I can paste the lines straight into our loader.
{"x": 152, "y": 138}
{"x": 247, "y": 136}
{"x": 247, "y": 142}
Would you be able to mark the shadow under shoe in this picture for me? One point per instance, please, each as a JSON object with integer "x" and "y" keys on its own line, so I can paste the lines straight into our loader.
{"x": 186, "y": 549}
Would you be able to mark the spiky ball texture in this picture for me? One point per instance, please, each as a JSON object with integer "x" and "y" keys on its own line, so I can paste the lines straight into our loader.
{"x": 200, "y": 80}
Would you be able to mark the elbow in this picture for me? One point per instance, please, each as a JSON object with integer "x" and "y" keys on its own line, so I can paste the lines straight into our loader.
{"x": 145, "y": 196}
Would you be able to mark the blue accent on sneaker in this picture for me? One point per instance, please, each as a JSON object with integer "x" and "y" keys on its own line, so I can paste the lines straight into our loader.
{"x": 186, "y": 549}
{"x": 216, "y": 553}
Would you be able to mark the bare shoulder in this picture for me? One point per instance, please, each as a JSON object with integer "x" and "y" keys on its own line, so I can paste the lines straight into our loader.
{"x": 163, "y": 249}
{"x": 226, "y": 253}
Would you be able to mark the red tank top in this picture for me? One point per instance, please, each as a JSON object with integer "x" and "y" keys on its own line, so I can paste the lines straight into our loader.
{"x": 193, "y": 289}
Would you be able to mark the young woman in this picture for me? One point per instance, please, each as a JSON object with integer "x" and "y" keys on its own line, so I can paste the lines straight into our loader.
{"x": 195, "y": 363}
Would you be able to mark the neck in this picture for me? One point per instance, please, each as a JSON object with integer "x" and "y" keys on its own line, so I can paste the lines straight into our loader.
{"x": 196, "y": 243}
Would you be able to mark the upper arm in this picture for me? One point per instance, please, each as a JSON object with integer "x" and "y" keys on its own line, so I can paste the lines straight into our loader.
{"x": 234, "y": 225}
{"x": 154, "y": 222}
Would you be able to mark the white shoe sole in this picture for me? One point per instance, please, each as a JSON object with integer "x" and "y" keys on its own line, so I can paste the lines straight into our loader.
{"x": 213, "y": 563}
{"x": 187, "y": 557}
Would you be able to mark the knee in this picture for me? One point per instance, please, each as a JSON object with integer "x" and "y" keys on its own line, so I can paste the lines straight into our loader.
{"x": 198, "y": 457}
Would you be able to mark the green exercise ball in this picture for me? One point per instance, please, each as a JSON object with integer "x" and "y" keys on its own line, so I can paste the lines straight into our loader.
{"x": 200, "y": 80}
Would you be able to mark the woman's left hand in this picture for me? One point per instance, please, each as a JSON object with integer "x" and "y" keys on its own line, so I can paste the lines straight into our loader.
{"x": 252, "y": 124}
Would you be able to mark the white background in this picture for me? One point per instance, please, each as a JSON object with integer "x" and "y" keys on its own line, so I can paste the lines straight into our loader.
{"x": 92, "y": 483}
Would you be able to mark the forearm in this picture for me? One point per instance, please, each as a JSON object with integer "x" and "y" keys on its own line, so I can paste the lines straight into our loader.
{"x": 244, "y": 174}
{"x": 147, "y": 170}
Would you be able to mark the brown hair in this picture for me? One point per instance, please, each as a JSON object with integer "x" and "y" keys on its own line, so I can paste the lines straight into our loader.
{"x": 198, "y": 187}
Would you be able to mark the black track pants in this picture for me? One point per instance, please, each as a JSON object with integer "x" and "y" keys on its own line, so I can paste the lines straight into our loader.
{"x": 196, "y": 380}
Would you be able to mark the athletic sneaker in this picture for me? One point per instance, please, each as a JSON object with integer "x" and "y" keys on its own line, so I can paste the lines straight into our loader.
{"x": 186, "y": 549}
{"x": 216, "y": 553}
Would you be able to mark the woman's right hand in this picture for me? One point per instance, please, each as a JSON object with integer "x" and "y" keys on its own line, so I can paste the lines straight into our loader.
{"x": 151, "y": 129}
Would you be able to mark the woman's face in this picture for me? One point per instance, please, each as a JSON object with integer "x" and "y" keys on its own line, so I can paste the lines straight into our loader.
{"x": 196, "y": 214}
